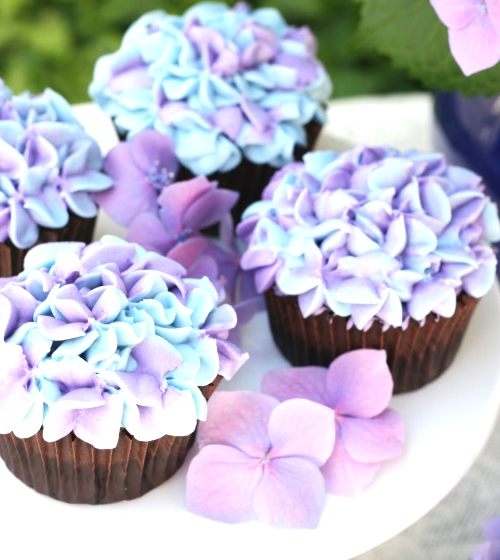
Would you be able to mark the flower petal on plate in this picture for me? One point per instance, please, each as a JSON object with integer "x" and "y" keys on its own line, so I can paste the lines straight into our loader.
{"x": 359, "y": 383}
{"x": 370, "y": 440}
{"x": 302, "y": 428}
{"x": 294, "y": 383}
{"x": 290, "y": 495}
{"x": 220, "y": 484}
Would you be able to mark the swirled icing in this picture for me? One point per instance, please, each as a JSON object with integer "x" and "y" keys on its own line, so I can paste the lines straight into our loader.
{"x": 222, "y": 82}
{"x": 49, "y": 166}
{"x": 373, "y": 233}
{"x": 105, "y": 336}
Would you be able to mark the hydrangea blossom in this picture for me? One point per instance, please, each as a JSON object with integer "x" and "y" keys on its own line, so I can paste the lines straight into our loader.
{"x": 372, "y": 234}
{"x": 106, "y": 336}
{"x": 222, "y": 82}
{"x": 49, "y": 166}
{"x": 166, "y": 216}
{"x": 473, "y": 32}
{"x": 260, "y": 459}
{"x": 358, "y": 387}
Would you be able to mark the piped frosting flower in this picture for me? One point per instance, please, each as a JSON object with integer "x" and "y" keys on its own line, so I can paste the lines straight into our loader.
{"x": 106, "y": 336}
{"x": 222, "y": 82}
{"x": 49, "y": 167}
{"x": 260, "y": 459}
{"x": 372, "y": 234}
{"x": 358, "y": 387}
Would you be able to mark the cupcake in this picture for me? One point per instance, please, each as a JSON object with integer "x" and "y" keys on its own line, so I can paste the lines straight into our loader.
{"x": 240, "y": 92}
{"x": 108, "y": 359}
{"x": 372, "y": 248}
{"x": 49, "y": 170}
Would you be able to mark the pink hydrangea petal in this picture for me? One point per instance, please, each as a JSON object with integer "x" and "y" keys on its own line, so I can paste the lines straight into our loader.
{"x": 148, "y": 231}
{"x": 475, "y": 47}
{"x": 296, "y": 383}
{"x": 209, "y": 209}
{"x": 291, "y": 494}
{"x": 359, "y": 383}
{"x": 493, "y": 9}
{"x": 344, "y": 476}
{"x": 491, "y": 529}
{"x": 302, "y": 428}
{"x": 180, "y": 196}
{"x": 370, "y": 440}
{"x": 238, "y": 419}
{"x": 456, "y": 14}
{"x": 221, "y": 482}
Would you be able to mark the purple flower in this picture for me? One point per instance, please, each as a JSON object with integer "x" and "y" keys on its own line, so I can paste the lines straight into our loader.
{"x": 489, "y": 550}
{"x": 140, "y": 169}
{"x": 260, "y": 459}
{"x": 358, "y": 387}
{"x": 473, "y": 32}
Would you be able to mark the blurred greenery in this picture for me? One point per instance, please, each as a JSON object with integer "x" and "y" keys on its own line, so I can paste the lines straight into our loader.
{"x": 55, "y": 43}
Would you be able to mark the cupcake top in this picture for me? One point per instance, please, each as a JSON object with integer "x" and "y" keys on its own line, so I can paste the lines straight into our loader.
{"x": 106, "y": 336}
{"x": 373, "y": 233}
{"x": 49, "y": 166}
{"x": 224, "y": 83}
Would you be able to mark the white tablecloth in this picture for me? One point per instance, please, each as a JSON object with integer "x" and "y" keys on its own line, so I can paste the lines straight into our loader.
{"x": 452, "y": 529}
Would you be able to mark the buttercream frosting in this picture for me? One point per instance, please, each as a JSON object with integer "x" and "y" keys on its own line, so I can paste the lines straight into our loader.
{"x": 373, "y": 233}
{"x": 49, "y": 166}
{"x": 106, "y": 336}
{"x": 222, "y": 82}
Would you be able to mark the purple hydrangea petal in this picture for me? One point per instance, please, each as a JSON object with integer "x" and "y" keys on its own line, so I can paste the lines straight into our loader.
{"x": 291, "y": 494}
{"x": 298, "y": 382}
{"x": 247, "y": 414}
{"x": 359, "y": 383}
{"x": 344, "y": 476}
{"x": 302, "y": 428}
{"x": 221, "y": 482}
{"x": 371, "y": 440}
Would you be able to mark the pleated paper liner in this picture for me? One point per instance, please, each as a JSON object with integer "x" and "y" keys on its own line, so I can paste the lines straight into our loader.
{"x": 74, "y": 471}
{"x": 77, "y": 229}
{"x": 416, "y": 355}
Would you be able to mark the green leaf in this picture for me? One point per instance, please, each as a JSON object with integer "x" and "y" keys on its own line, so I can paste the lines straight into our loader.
{"x": 410, "y": 33}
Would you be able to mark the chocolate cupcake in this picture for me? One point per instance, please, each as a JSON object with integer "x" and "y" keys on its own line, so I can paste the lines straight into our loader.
{"x": 240, "y": 92}
{"x": 49, "y": 169}
{"x": 109, "y": 357}
{"x": 372, "y": 248}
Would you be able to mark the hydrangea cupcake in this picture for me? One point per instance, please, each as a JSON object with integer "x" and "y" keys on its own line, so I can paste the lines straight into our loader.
{"x": 240, "y": 92}
{"x": 372, "y": 248}
{"x": 108, "y": 359}
{"x": 49, "y": 170}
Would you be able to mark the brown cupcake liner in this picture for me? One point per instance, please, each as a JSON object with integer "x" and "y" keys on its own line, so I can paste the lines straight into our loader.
{"x": 77, "y": 229}
{"x": 74, "y": 471}
{"x": 415, "y": 355}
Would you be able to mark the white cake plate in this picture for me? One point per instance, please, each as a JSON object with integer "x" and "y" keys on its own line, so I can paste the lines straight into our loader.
{"x": 448, "y": 423}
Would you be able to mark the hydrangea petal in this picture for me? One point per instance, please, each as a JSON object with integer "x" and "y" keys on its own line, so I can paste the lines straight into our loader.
{"x": 221, "y": 482}
{"x": 359, "y": 383}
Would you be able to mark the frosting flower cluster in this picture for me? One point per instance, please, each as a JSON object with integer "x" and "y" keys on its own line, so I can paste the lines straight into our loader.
{"x": 49, "y": 166}
{"x": 106, "y": 336}
{"x": 222, "y": 82}
{"x": 373, "y": 233}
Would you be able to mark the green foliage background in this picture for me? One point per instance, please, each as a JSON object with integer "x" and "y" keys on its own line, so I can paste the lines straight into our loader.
{"x": 56, "y": 42}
